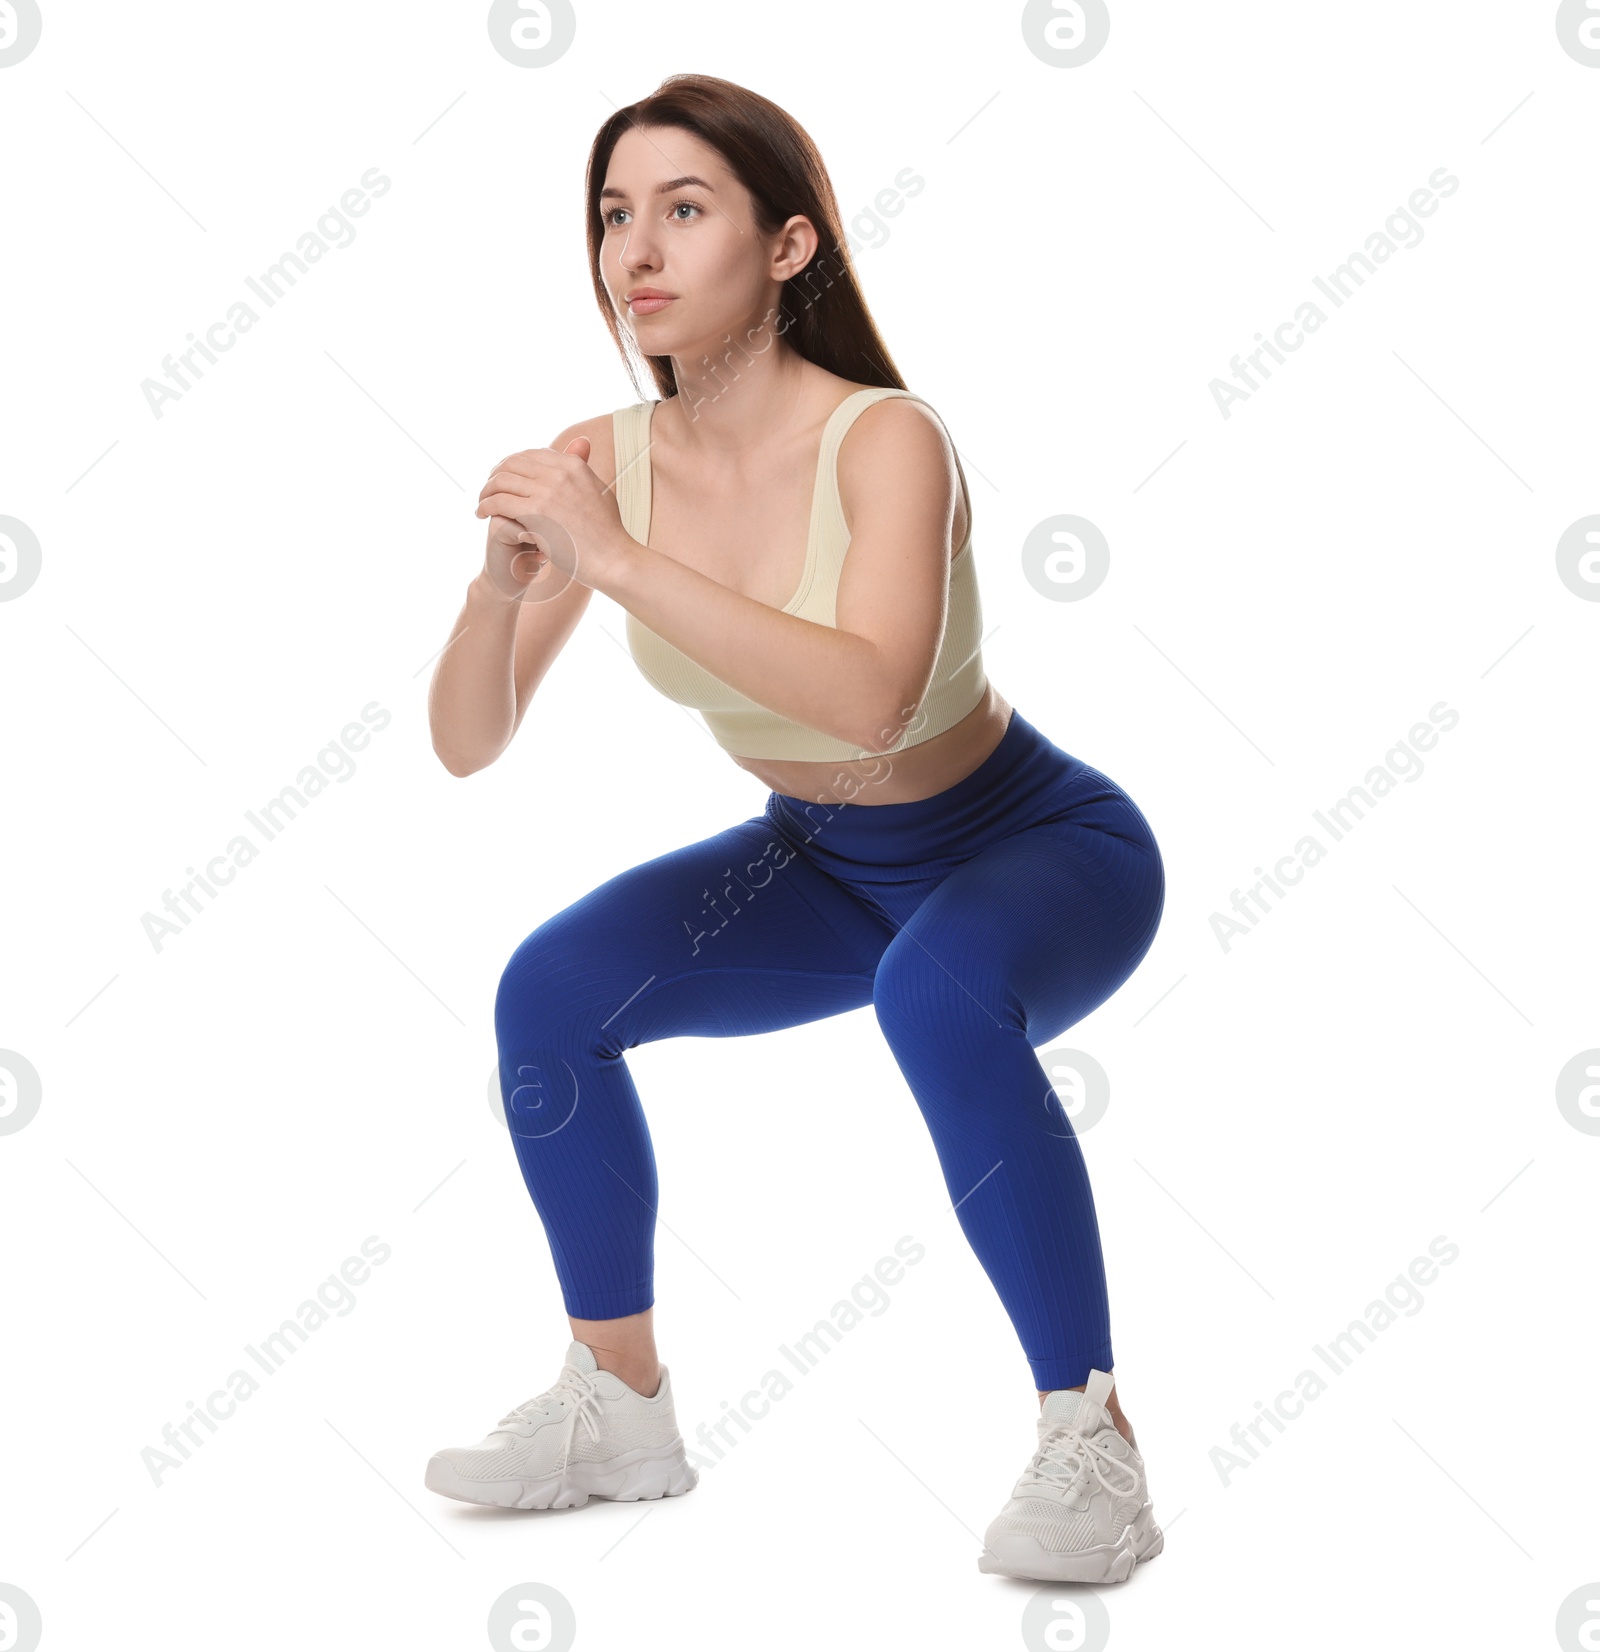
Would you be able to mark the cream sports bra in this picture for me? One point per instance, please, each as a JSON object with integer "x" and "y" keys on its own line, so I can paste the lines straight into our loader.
{"x": 739, "y": 724}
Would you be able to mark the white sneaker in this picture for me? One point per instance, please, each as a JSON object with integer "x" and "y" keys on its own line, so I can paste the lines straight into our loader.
{"x": 1081, "y": 1511}
{"x": 535, "y": 1458}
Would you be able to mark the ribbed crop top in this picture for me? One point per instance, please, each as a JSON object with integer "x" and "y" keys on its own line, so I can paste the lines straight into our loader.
{"x": 739, "y": 724}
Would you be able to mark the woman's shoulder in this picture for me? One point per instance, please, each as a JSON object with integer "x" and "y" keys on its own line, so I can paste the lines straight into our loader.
{"x": 893, "y": 407}
{"x": 893, "y": 410}
{"x": 902, "y": 436}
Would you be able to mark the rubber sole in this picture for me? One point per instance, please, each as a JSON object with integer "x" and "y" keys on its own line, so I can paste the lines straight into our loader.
{"x": 630, "y": 1477}
{"x": 1018, "y": 1555}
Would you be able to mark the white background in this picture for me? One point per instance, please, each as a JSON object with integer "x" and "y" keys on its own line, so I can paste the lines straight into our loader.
{"x": 1290, "y": 589}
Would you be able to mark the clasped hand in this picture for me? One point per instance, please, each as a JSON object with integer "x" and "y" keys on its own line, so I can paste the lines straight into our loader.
{"x": 549, "y": 509}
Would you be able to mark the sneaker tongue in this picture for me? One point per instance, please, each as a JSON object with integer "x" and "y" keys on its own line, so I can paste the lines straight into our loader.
{"x": 581, "y": 1355}
{"x": 1068, "y": 1405}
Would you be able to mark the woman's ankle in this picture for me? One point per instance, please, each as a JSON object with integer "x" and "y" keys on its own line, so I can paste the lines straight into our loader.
{"x": 643, "y": 1380}
{"x": 625, "y": 1347}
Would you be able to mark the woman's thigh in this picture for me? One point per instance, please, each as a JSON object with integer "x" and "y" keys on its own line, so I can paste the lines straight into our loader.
{"x": 729, "y": 935}
{"x": 1032, "y": 933}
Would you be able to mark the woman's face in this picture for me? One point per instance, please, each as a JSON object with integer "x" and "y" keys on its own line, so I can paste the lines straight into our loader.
{"x": 675, "y": 220}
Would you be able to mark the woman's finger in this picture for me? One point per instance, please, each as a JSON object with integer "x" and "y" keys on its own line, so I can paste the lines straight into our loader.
{"x": 522, "y": 466}
{"x": 504, "y": 504}
{"x": 504, "y": 482}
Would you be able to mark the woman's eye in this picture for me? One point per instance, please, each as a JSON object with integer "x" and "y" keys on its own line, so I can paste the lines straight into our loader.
{"x": 610, "y": 219}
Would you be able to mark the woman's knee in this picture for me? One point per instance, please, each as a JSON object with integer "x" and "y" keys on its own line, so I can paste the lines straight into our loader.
{"x": 921, "y": 999}
{"x": 548, "y": 1030}
{"x": 547, "y": 990}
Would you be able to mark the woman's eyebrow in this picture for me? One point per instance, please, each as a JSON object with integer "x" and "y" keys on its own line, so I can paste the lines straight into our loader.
{"x": 660, "y": 189}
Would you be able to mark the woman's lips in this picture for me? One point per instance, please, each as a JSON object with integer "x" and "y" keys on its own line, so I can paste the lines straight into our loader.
{"x": 648, "y": 306}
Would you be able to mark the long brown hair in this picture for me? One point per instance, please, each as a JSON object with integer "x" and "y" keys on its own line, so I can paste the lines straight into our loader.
{"x": 821, "y": 313}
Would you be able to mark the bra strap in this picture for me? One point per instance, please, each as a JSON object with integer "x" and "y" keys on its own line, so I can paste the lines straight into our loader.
{"x": 630, "y": 428}
{"x": 828, "y": 554}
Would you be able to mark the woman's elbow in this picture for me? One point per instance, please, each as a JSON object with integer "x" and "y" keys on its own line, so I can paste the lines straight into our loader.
{"x": 455, "y": 763}
{"x": 888, "y": 723}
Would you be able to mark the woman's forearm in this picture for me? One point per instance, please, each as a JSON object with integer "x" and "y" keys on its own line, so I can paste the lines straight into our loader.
{"x": 814, "y": 674}
{"x": 472, "y": 701}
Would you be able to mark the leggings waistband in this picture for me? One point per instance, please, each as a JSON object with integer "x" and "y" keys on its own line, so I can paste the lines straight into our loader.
{"x": 1021, "y": 780}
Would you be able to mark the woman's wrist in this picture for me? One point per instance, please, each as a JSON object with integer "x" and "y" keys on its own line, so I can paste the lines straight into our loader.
{"x": 608, "y": 568}
{"x": 484, "y": 594}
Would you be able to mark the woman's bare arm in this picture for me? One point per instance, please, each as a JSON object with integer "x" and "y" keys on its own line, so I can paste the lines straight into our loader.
{"x": 500, "y": 649}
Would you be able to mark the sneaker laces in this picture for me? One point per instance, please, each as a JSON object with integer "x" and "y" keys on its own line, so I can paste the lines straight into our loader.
{"x": 1067, "y": 1455}
{"x": 573, "y": 1387}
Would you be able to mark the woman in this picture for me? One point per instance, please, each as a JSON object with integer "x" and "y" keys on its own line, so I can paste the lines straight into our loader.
{"x": 923, "y": 847}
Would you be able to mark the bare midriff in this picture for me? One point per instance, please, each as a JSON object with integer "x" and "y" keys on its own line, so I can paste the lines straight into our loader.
{"x": 895, "y": 777}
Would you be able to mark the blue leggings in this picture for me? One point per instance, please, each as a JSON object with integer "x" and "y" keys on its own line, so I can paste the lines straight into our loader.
{"x": 979, "y": 923}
